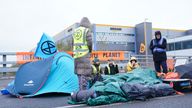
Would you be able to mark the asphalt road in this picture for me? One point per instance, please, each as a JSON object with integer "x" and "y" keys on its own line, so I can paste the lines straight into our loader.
{"x": 4, "y": 82}
{"x": 60, "y": 101}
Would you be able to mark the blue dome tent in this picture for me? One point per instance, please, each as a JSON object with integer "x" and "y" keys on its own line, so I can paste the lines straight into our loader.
{"x": 53, "y": 74}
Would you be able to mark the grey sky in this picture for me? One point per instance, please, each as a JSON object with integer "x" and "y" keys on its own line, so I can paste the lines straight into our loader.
{"x": 22, "y": 22}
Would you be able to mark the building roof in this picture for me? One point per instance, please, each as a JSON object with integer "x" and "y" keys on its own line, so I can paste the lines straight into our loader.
{"x": 180, "y": 30}
{"x": 121, "y": 26}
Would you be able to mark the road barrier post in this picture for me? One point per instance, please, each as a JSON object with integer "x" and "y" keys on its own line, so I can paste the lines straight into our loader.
{"x": 4, "y": 65}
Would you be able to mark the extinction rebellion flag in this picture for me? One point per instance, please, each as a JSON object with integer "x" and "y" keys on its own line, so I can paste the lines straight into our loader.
{"x": 46, "y": 47}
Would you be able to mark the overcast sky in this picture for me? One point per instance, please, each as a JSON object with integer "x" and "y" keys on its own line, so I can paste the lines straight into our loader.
{"x": 22, "y": 22}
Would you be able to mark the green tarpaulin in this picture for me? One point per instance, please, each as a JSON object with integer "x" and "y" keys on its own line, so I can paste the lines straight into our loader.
{"x": 109, "y": 90}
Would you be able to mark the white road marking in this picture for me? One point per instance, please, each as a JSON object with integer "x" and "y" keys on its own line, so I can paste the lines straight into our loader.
{"x": 100, "y": 106}
{"x": 72, "y": 106}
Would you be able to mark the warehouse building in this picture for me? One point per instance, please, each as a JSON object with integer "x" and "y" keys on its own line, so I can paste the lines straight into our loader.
{"x": 119, "y": 38}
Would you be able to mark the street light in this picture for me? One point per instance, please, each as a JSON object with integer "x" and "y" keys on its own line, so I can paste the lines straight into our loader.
{"x": 146, "y": 47}
{"x": 145, "y": 36}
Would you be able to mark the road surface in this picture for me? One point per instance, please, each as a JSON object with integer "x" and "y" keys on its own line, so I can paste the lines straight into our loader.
{"x": 60, "y": 101}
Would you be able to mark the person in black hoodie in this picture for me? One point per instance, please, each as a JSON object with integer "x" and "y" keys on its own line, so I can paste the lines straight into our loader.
{"x": 158, "y": 48}
{"x": 111, "y": 68}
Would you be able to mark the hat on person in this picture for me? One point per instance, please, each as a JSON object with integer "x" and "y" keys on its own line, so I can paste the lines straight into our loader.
{"x": 96, "y": 60}
{"x": 157, "y": 33}
{"x": 133, "y": 59}
{"x": 110, "y": 59}
{"x": 85, "y": 22}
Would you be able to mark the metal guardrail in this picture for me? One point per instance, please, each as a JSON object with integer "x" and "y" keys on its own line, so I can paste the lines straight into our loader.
{"x": 23, "y": 57}
{"x": 9, "y": 60}
{"x": 9, "y": 69}
{"x": 172, "y": 61}
{"x": 4, "y": 63}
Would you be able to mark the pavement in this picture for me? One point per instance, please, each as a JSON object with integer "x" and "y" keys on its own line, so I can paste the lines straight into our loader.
{"x": 60, "y": 101}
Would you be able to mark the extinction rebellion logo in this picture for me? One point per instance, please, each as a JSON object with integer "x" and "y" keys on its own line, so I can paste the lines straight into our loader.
{"x": 29, "y": 83}
{"x": 48, "y": 48}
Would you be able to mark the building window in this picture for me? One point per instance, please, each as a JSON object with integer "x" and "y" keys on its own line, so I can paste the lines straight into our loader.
{"x": 131, "y": 46}
{"x": 129, "y": 34}
{"x": 112, "y": 28}
{"x": 171, "y": 46}
{"x": 120, "y": 34}
{"x": 113, "y": 34}
{"x": 178, "y": 46}
{"x": 187, "y": 44}
{"x": 69, "y": 30}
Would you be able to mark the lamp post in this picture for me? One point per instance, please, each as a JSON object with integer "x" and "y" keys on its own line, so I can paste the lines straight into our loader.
{"x": 146, "y": 47}
{"x": 145, "y": 36}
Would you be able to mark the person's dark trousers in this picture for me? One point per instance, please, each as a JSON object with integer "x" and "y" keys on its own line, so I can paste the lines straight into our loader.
{"x": 97, "y": 77}
{"x": 159, "y": 64}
